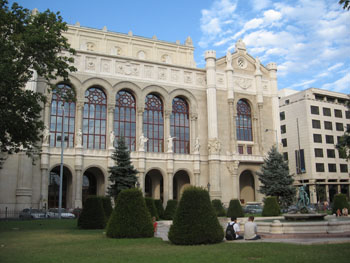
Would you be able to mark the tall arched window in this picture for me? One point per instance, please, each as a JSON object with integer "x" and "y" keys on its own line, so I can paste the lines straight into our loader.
{"x": 153, "y": 123}
{"x": 94, "y": 120}
{"x": 179, "y": 126}
{"x": 125, "y": 118}
{"x": 244, "y": 121}
{"x": 56, "y": 117}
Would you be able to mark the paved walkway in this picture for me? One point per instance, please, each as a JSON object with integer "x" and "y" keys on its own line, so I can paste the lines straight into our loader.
{"x": 163, "y": 229}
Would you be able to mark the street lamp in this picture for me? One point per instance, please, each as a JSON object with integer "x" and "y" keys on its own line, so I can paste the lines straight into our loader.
{"x": 276, "y": 136}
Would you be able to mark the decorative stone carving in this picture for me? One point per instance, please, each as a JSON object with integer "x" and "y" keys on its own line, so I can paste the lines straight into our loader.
{"x": 141, "y": 54}
{"x": 170, "y": 144}
{"x": 90, "y": 46}
{"x": 188, "y": 41}
{"x": 188, "y": 77}
{"x": 257, "y": 66}
{"x": 196, "y": 145}
{"x": 232, "y": 167}
{"x": 240, "y": 45}
{"x": 167, "y": 113}
{"x": 228, "y": 60}
{"x": 127, "y": 68}
{"x": 111, "y": 138}
{"x": 214, "y": 146}
{"x": 80, "y": 105}
{"x": 142, "y": 141}
{"x": 165, "y": 58}
{"x": 90, "y": 63}
{"x": 46, "y": 135}
{"x": 194, "y": 116}
{"x": 243, "y": 83}
{"x": 116, "y": 51}
{"x": 140, "y": 110}
{"x": 105, "y": 65}
{"x": 162, "y": 74}
{"x": 148, "y": 71}
{"x": 175, "y": 75}
{"x": 200, "y": 79}
{"x": 220, "y": 79}
{"x": 79, "y": 137}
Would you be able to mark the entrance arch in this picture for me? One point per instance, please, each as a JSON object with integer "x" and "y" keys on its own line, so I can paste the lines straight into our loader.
{"x": 180, "y": 181}
{"x": 93, "y": 183}
{"x": 154, "y": 184}
{"x": 246, "y": 187}
{"x": 54, "y": 187}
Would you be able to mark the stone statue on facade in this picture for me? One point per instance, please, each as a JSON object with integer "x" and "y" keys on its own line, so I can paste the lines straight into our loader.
{"x": 257, "y": 65}
{"x": 79, "y": 137}
{"x": 142, "y": 141}
{"x": 228, "y": 58}
{"x": 170, "y": 144}
{"x": 46, "y": 135}
{"x": 111, "y": 138}
{"x": 196, "y": 146}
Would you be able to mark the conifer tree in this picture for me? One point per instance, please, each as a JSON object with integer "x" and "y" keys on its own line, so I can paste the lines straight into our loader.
{"x": 275, "y": 178}
{"x": 122, "y": 174}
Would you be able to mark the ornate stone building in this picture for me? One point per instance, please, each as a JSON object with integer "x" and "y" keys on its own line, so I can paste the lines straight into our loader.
{"x": 184, "y": 125}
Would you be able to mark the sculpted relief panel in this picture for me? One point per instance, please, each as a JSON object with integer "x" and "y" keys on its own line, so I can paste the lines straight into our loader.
{"x": 127, "y": 68}
{"x": 90, "y": 63}
{"x": 105, "y": 66}
{"x": 243, "y": 83}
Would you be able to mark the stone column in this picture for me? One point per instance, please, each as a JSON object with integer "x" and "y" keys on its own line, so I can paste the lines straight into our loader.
{"x": 170, "y": 186}
{"x": 261, "y": 129}
{"x": 327, "y": 191}
{"x": 312, "y": 190}
{"x": 194, "y": 134}
{"x": 272, "y": 67}
{"x": 260, "y": 101}
{"x": 167, "y": 134}
{"x": 233, "y": 170}
{"x": 139, "y": 125}
{"x": 24, "y": 182}
{"x": 79, "y": 117}
{"x": 110, "y": 128}
{"x": 232, "y": 119}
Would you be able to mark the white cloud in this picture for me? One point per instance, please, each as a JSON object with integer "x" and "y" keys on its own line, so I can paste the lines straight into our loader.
{"x": 340, "y": 85}
{"x": 272, "y": 15}
{"x": 336, "y": 66}
{"x": 260, "y": 4}
{"x": 304, "y": 84}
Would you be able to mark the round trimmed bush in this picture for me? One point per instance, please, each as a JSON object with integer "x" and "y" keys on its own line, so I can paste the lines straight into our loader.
{"x": 130, "y": 217}
{"x": 340, "y": 201}
{"x": 160, "y": 209}
{"x": 271, "y": 207}
{"x": 219, "y": 209}
{"x": 93, "y": 215}
{"x": 170, "y": 209}
{"x": 107, "y": 206}
{"x": 235, "y": 209}
{"x": 195, "y": 220}
{"x": 151, "y": 207}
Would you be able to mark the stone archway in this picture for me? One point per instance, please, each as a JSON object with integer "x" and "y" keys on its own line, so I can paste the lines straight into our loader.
{"x": 54, "y": 187}
{"x": 180, "y": 181}
{"x": 93, "y": 183}
{"x": 154, "y": 184}
{"x": 246, "y": 187}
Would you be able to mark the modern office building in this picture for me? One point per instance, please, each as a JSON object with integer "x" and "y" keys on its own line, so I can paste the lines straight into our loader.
{"x": 183, "y": 125}
{"x": 311, "y": 123}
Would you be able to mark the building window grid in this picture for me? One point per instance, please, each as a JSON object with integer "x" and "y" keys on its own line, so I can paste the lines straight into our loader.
{"x": 56, "y": 118}
{"x": 94, "y": 120}
{"x": 317, "y": 138}
{"x": 244, "y": 121}
{"x": 328, "y": 125}
{"x": 330, "y": 153}
{"x": 339, "y": 126}
{"x": 327, "y": 112}
{"x": 329, "y": 139}
{"x": 125, "y": 118}
{"x": 240, "y": 149}
{"x": 338, "y": 113}
{"x": 320, "y": 167}
{"x": 153, "y": 123}
{"x": 179, "y": 126}
{"x": 343, "y": 168}
{"x": 332, "y": 168}
{"x": 315, "y": 110}
{"x": 316, "y": 124}
{"x": 318, "y": 152}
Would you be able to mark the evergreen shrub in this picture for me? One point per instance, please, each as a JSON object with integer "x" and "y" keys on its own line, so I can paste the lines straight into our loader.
{"x": 160, "y": 209}
{"x": 151, "y": 207}
{"x": 235, "y": 209}
{"x": 195, "y": 221}
{"x": 107, "y": 206}
{"x": 93, "y": 214}
{"x": 219, "y": 209}
{"x": 130, "y": 217}
{"x": 271, "y": 207}
{"x": 340, "y": 201}
{"x": 170, "y": 209}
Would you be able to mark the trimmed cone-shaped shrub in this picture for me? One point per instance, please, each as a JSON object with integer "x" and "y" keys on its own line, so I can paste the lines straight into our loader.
{"x": 93, "y": 214}
{"x": 151, "y": 207}
{"x": 107, "y": 206}
{"x": 195, "y": 220}
{"x": 340, "y": 201}
{"x": 130, "y": 217}
{"x": 160, "y": 209}
{"x": 170, "y": 209}
{"x": 219, "y": 209}
{"x": 235, "y": 209}
{"x": 271, "y": 207}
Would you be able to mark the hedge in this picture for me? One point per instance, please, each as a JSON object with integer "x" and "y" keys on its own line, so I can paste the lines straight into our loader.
{"x": 170, "y": 209}
{"x": 219, "y": 209}
{"x": 271, "y": 207}
{"x": 340, "y": 201}
{"x": 160, "y": 209}
{"x": 151, "y": 207}
{"x": 235, "y": 209}
{"x": 93, "y": 215}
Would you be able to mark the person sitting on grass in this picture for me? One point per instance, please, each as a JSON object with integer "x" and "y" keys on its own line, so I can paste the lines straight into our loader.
{"x": 250, "y": 230}
{"x": 345, "y": 211}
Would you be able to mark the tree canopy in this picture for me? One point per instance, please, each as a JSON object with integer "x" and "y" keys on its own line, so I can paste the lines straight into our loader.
{"x": 343, "y": 144}
{"x": 29, "y": 42}
{"x": 345, "y": 4}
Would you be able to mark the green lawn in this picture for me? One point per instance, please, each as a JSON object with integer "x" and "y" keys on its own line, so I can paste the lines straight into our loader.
{"x": 60, "y": 241}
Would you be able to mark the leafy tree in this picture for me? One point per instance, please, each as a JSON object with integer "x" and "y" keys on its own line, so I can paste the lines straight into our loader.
{"x": 340, "y": 201}
{"x": 345, "y": 4}
{"x": 29, "y": 42}
{"x": 235, "y": 209}
{"x": 123, "y": 174}
{"x": 275, "y": 178}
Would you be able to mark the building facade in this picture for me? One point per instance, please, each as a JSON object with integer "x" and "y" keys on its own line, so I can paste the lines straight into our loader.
{"x": 183, "y": 125}
{"x": 311, "y": 123}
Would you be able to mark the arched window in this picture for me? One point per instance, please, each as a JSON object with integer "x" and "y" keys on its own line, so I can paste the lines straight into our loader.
{"x": 244, "y": 122}
{"x": 153, "y": 123}
{"x": 125, "y": 118}
{"x": 94, "y": 120}
{"x": 179, "y": 126}
{"x": 56, "y": 117}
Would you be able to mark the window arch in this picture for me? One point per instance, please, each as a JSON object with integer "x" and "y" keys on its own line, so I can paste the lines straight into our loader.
{"x": 125, "y": 118}
{"x": 153, "y": 123}
{"x": 56, "y": 116}
{"x": 94, "y": 119}
{"x": 179, "y": 126}
{"x": 244, "y": 121}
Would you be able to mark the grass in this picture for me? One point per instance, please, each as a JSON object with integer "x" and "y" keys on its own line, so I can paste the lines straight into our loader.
{"x": 60, "y": 241}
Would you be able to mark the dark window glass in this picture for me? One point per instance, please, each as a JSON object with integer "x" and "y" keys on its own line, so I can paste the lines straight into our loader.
{"x": 338, "y": 113}
{"x": 56, "y": 116}
{"x": 319, "y": 167}
{"x": 283, "y": 129}
{"x": 300, "y": 161}
{"x": 326, "y": 112}
{"x": 329, "y": 139}
{"x": 284, "y": 142}
{"x": 318, "y": 152}
{"x": 328, "y": 125}
{"x": 282, "y": 116}
{"x": 244, "y": 122}
{"x": 125, "y": 118}
{"x": 180, "y": 126}
{"x": 343, "y": 168}
{"x": 348, "y": 127}
{"x": 316, "y": 124}
{"x": 315, "y": 110}
{"x": 330, "y": 153}
{"x": 249, "y": 150}
{"x": 332, "y": 168}
{"x": 286, "y": 101}
{"x": 339, "y": 126}
{"x": 285, "y": 156}
{"x": 153, "y": 123}
{"x": 318, "y": 138}
{"x": 342, "y": 154}
{"x": 240, "y": 149}
{"x": 347, "y": 114}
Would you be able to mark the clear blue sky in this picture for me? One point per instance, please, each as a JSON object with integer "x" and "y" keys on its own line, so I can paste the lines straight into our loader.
{"x": 308, "y": 39}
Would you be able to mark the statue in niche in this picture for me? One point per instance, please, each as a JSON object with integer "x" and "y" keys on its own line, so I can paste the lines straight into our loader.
{"x": 142, "y": 141}
{"x": 170, "y": 144}
{"x": 196, "y": 145}
{"x": 79, "y": 137}
{"x": 46, "y": 135}
{"x": 111, "y": 138}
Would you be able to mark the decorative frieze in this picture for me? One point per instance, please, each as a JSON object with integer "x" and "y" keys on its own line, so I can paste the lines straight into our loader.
{"x": 105, "y": 66}
{"x": 127, "y": 68}
{"x": 175, "y": 75}
{"x": 243, "y": 83}
{"x": 188, "y": 77}
{"x": 90, "y": 63}
{"x": 162, "y": 74}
